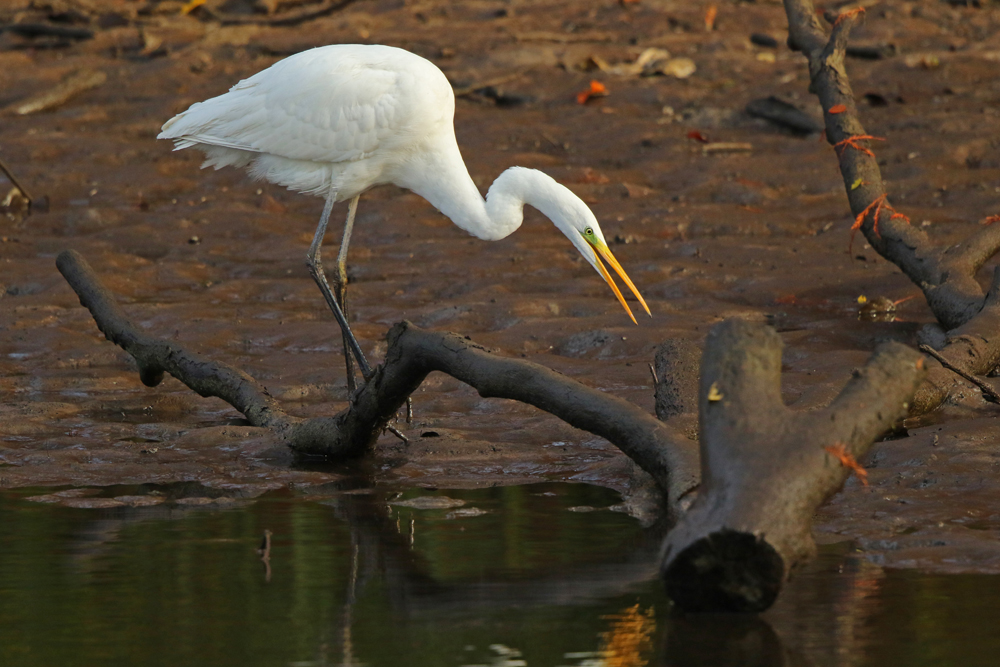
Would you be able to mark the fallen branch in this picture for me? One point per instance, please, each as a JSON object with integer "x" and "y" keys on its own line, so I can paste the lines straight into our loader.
{"x": 765, "y": 467}
{"x": 946, "y": 275}
{"x": 670, "y": 458}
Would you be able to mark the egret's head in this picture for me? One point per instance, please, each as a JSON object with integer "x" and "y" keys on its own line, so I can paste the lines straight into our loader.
{"x": 588, "y": 238}
{"x": 518, "y": 186}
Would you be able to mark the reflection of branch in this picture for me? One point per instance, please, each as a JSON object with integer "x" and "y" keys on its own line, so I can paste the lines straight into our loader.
{"x": 947, "y": 276}
{"x": 764, "y": 467}
{"x": 265, "y": 555}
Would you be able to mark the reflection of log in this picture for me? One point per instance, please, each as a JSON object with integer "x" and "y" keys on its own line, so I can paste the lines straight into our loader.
{"x": 765, "y": 468}
{"x": 947, "y": 275}
{"x": 714, "y": 640}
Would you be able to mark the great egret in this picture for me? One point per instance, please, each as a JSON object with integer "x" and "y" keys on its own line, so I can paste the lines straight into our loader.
{"x": 336, "y": 120}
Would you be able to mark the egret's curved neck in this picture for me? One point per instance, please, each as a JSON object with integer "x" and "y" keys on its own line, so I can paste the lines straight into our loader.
{"x": 449, "y": 188}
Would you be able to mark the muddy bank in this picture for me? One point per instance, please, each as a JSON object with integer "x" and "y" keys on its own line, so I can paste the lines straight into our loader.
{"x": 216, "y": 261}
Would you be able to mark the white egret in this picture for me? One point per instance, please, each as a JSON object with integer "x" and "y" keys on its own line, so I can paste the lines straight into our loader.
{"x": 337, "y": 120}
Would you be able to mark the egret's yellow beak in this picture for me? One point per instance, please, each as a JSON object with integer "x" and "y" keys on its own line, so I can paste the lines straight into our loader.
{"x": 602, "y": 250}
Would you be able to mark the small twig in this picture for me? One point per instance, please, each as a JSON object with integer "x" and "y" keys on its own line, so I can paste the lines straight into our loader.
{"x": 395, "y": 431}
{"x": 652, "y": 371}
{"x": 495, "y": 81}
{"x": 17, "y": 184}
{"x": 562, "y": 37}
{"x": 328, "y": 7}
{"x": 989, "y": 393}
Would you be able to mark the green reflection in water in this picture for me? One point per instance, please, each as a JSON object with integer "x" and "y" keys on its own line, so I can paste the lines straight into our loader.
{"x": 170, "y": 585}
{"x": 355, "y": 580}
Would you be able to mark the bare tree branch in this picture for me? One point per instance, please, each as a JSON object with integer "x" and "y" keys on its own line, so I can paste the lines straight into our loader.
{"x": 947, "y": 276}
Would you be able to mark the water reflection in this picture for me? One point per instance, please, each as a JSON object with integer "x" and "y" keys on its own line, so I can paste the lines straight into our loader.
{"x": 350, "y": 579}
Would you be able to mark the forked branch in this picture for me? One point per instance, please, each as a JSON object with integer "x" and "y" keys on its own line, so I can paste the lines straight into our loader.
{"x": 947, "y": 276}
{"x": 669, "y": 457}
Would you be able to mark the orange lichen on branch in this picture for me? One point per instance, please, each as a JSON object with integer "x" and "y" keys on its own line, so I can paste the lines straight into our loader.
{"x": 879, "y": 204}
{"x": 596, "y": 89}
{"x": 837, "y": 108}
{"x": 990, "y": 219}
{"x": 896, "y": 215}
{"x": 848, "y": 14}
{"x": 858, "y": 221}
{"x": 852, "y": 143}
{"x": 839, "y": 452}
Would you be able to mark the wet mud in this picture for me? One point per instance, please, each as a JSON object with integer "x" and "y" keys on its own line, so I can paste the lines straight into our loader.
{"x": 760, "y": 232}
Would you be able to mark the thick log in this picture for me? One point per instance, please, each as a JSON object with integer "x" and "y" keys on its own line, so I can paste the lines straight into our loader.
{"x": 767, "y": 468}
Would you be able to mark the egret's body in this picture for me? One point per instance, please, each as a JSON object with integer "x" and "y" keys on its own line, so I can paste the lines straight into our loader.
{"x": 337, "y": 120}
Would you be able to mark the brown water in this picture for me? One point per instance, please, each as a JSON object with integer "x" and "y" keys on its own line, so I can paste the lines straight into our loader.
{"x": 535, "y": 575}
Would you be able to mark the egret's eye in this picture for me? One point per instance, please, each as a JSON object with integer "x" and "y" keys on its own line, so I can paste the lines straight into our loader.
{"x": 589, "y": 231}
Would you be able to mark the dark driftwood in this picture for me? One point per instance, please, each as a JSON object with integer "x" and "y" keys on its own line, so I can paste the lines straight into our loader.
{"x": 670, "y": 458}
{"x": 947, "y": 275}
{"x": 205, "y": 377}
{"x": 765, "y": 469}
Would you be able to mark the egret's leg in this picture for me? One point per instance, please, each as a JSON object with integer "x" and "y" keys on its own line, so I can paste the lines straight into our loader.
{"x": 316, "y": 270}
{"x": 340, "y": 285}
{"x": 340, "y": 289}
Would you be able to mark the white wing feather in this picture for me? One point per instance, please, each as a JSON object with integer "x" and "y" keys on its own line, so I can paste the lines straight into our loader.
{"x": 329, "y": 105}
